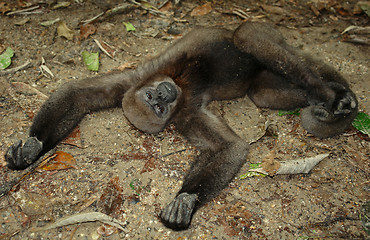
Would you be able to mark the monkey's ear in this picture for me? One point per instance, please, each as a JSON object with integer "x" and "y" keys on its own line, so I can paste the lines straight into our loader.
{"x": 140, "y": 115}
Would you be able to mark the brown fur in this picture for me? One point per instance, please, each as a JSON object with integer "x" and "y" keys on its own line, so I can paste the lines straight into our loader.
{"x": 206, "y": 65}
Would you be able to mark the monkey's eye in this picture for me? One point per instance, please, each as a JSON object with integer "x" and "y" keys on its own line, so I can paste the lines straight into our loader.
{"x": 159, "y": 108}
{"x": 149, "y": 95}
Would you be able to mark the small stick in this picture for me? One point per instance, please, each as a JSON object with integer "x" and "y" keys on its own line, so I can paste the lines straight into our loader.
{"x": 16, "y": 69}
{"x": 85, "y": 217}
{"x": 22, "y": 11}
{"x": 101, "y": 48}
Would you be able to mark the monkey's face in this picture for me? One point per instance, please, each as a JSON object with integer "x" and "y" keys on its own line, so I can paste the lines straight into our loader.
{"x": 150, "y": 107}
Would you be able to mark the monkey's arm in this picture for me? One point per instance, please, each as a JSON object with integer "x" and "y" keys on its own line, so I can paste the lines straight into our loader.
{"x": 65, "y": 108}
{"x": 222, "y": 154}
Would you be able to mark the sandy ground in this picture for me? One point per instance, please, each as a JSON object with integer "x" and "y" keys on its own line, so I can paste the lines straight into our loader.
{"x": 131, "y": 176}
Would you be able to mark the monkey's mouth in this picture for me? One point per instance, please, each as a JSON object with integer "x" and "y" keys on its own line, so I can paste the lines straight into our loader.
{"x": 159, "y": 109}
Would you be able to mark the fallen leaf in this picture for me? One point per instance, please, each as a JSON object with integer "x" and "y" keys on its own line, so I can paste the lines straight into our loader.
{"x": 201, "y": 10}
{"x": 74, "y": 138}
{"x": 362, "y": 123}
{"x": 64, "y": 31}
{"x": 61, "y": 161}
{"x": 111, "y": 200}
{"x": 129, "y": 27}
{"x": 86, "y": 31}
{"x": 25, "y": 89}
{"x": 91, "y": 60}
{"x": 5, "y": 58}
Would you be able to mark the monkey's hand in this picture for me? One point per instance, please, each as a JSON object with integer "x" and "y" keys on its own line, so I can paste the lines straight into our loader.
{"x": 177, "y": 215}
{"x": 20, "y": 157}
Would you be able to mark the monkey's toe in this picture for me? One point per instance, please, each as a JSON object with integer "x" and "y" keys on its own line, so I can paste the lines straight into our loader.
{"x": 177, "y": 215}
{"x": 346, "y": 104}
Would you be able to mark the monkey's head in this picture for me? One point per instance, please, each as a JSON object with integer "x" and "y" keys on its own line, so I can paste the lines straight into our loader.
{"x": 150, "y": 107}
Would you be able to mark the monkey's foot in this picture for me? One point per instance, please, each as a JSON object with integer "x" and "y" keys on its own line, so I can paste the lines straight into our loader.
{"x": 346, "y": 104}
{"x": 343, "y": 104}
{"x": 177, "y": 215}
{"x": 20, "y": 157}
{"x": 345, "y": 100}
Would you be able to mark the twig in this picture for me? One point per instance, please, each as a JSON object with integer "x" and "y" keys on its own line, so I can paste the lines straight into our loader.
{"x": 152, "y": 10}
{"x": 240, "y": 13}
{"x": 84, "y": 22}
{"x": 85, "y": 217}
{"x": 171, "y": 153}
{"x": 123, "y": 8}
{"x": 24, "y": 11}
{"x": 16, "y": 69}
{"x": 101, "y": 48}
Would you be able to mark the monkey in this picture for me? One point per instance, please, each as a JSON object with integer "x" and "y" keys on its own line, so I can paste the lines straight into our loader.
{"x": 175, "y": 87}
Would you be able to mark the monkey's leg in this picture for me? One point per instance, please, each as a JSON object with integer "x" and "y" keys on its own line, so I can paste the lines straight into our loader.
{"x": 65, "y": 108}
{"x": 271, "y": 91}
{"x": 267, "y": 45}
{"x": 222, "y": 154}
{"x": 333, "y": 106}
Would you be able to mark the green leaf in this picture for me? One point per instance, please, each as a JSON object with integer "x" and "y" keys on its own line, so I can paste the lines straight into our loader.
{"x": 362, "y": 123}
{"x": 129, "y": 27}
{"x": 254, "y": 165}
{"x": 251, "y": 173}
{"x": 5, "y": 58}
{"x": 91, "y": 60}
{"x": 294, "y": 112}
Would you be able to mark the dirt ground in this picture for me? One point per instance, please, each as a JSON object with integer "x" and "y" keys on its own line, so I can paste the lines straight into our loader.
{"x": 131, "y": 176}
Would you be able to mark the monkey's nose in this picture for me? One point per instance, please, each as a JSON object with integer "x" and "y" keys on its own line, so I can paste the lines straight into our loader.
{"x": 167, "y": 92}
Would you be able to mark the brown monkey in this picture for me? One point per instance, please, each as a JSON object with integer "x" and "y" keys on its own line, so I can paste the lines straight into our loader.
{"x": 176, "y": 87}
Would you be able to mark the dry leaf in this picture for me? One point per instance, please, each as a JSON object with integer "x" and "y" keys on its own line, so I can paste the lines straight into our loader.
{"x": 64, "y": 31}
{"x": 86, "y": 31}
{"x": 74, "y": 138}
{"x": 201, "y": 10}
{"x": 61, "y": 161}
{"x": 111, "y": 200}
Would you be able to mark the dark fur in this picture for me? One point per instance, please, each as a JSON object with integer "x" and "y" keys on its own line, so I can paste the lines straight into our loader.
{"x": 206, "y": 65}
